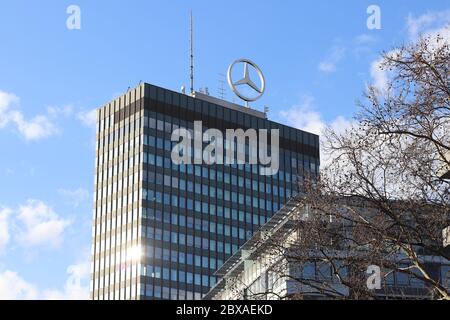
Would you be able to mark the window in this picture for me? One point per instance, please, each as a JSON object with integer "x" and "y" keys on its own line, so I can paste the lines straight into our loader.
{"x": 157, "y": 292}
{"x": 212, "y": 245}
{"x": 159, "y": 143}
{"x": 324, "y": 271}
{"x": 173, "y": 275}
{"x": 189, "y": 278}
{"x": 182, "y": 276}
{"x": 165, "y": 293}
{"x": 204, "y": 262}
{"x": 174, "y": 256}
{"x": 309, "y": 271}
{"x": 205, "y": 190}
{"x": 446, "y": 276}
{"x": 174, "y": 237}
{"x": 182, "y": 239}
{"x": 157, "y": 253}
{"x": 166, "y": 274}
{"x": 198, "y": 279}
{"x": 166, "y": 255}
{"x": 402, "y": 278}
{"x": 166, "y": 199}
{"x": 159, "y": 178}
{"x": 182, "y": 221}
{"x": 158, "y": 234}
{"x": 205, "y": 280}
{"x": 160, "y": 125}
{"x": 415, "y": 282}
{"x": 152, "y": 123}
{"x": 198, "y": 242}
{"x": 167, "y": 180}
{"x": 181, "y": 257}
{"x": 205, "y": 172}
{"x": 174, "y": 201}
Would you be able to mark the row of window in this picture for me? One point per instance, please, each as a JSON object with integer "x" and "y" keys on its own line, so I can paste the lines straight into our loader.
{"x": 204, "y": 207}
{"x": 191, "y": 241}
{"x": 229, "y": 179}
{"x": 303, "y": 161}
{"x": 242, "y": 119}
{"x": 178, "y": 276}
{"x": 181, "y": 220}
{"x": 169, "y": 293}
{"x": 182, "y": 258}
{"x": 297, "y": 160}
{"x": 323, "y": 271}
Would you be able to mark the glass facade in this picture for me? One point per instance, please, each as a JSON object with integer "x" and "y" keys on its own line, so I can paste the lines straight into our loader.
{"x": 161, "y": 230}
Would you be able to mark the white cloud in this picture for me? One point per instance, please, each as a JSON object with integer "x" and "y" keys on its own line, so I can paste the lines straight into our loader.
{"x": 37, "y": 128}
{"x": 422, "y": 24}
{"x": 74, "y": 197}
{"x": 4, "y": 227}
{"x": 379, "y": 76}
{"x": 76, "y": 286}
{"x": 65, "y": 111}
{"x": 416, "y": 26}
{"x": 443, "y": 32}
{"x": 328, "y": 65}
{"x": 7, "y": 100}
{"x": 14, "y": 287}
{"x": 365, "y": 39}
{"x": 304, "y": 116}
{"x": 88, "y": 118}
{"x": 40, "y": 225}
{"x": 36, "y": 224}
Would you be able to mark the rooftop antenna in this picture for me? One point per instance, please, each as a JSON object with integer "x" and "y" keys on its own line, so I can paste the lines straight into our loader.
{"x": 191, "y": 42}
{"x": 266, "y": 110}
{"x": 221, "y": 90}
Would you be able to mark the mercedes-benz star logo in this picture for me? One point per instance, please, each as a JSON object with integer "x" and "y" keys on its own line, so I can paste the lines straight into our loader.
{"x": 246, "y": 80}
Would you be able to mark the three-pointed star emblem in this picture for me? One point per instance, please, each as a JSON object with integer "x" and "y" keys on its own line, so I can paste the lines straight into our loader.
{"x": 246, "y": 80}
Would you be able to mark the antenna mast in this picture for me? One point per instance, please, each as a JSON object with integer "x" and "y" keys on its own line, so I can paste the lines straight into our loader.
{"x": 221, "y": 90}
{"x": 191, "y": 41}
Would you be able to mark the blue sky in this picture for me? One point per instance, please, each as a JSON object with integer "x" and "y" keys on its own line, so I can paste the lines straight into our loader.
{"x": 317, "y": 58}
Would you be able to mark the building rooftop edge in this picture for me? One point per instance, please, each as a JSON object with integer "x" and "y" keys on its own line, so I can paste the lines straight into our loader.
{"x": 200, "y": 96}
{"x": 228, "y": 104}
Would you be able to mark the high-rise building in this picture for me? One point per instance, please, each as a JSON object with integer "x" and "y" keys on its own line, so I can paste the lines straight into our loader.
{"x": 161, "y": 230}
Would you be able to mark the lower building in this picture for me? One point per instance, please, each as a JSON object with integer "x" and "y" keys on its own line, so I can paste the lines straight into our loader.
{"x": 445, "y": 172}
{"x": 268, "y": 267}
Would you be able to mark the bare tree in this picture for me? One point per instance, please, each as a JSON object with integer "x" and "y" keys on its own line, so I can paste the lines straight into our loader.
{"x": 381, "y": 200}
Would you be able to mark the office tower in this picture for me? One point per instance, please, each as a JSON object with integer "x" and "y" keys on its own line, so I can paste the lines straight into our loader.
{"x": 161, "y": 230}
